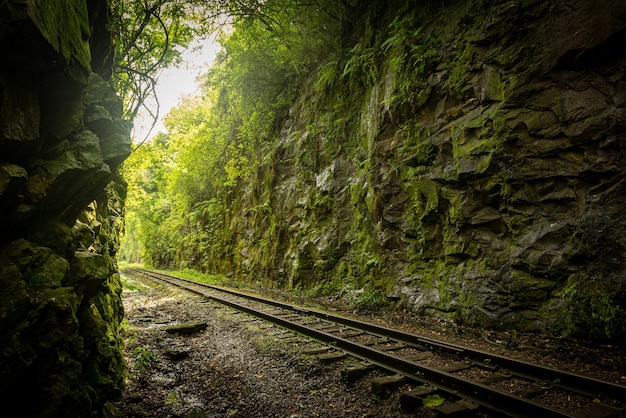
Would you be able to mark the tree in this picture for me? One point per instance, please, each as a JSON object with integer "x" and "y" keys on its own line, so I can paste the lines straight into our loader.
{"x": 218, "y": 138}
{"x": 149, "y": 36}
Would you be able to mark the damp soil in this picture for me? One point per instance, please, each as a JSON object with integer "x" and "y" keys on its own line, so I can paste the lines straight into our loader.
{"x": 241, "y": 367}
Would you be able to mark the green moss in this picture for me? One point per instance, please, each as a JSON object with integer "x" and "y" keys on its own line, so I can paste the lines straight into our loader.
{"x": 50, "y": 274}
{"x": 94, "y": 267}
{"x": 423, "y": 198}
{"x": 416, "y": 147}
{"x": 65, "y": 25}
{"x": 493, "y": 84}
{"x": 461, "y": 66}
{"x": 478, "y": 133}
{"x": 586, "y": 304}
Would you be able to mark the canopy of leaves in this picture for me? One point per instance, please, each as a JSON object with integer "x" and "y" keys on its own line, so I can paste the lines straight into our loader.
{"x": 182, "y": 183}
{"x": 149, "y": 35}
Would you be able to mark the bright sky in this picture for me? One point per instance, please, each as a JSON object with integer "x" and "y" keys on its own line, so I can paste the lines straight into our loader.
{"x": 175, "y": 83}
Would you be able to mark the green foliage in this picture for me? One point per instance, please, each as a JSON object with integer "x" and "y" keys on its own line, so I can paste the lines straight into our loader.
{"x": 206, "y": 189}
{"x": 433, "y": 401}
{"x": 189, "y": 212}
{"x": 592, "y": 304}
{"x": 148, "y": 238}
{"x": 174, "y": 400}
{"x": 182, "y": 185}
{"x": 410, "y": 56}
{"x": 326, "y": 288}
{"x": 144, "y": 358}
{"x": 366, "y": 299}
{"x": 148, "y": 34}
{"x": 326, "y": 76}
{"x": 362, "y": 64}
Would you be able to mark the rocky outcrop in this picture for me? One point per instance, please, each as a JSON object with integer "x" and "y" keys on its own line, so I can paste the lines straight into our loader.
{"x": 61, "y": 202}
{"x": 473, "y": 168}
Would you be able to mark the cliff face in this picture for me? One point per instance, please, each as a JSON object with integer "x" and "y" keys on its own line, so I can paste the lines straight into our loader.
{"x": 61, "y": 204}
{"x": 468, "y": 159}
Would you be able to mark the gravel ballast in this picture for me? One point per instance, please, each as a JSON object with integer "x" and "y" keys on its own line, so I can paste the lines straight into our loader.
{"x": 232, "y": 369}
{"x": 237, "y": 366}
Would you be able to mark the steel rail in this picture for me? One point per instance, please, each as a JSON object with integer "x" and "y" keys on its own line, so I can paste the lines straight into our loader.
{"x": 583, "y": 385}
{"x": 489, "y": 397}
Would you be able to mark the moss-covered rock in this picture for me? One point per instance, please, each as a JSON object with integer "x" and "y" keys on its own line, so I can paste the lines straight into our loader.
{"x": 60, "y": 308}
{"x": 465, "y": 181}
{"x": 65, "y": 25}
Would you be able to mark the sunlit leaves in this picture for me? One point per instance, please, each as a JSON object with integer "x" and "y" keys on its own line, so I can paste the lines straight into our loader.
{"x": 219, "y": 137}
{"x": 146, "y": 172}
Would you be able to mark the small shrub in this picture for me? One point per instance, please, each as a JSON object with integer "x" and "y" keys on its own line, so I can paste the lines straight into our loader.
{"x": 326, "y": 288}
{"x": 365, "y": 299}
{"x": 143, "y": 358}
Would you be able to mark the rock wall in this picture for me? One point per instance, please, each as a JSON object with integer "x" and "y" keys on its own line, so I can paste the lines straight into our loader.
{"x": 61, "y": 202}
{"x": 467, "y": 158}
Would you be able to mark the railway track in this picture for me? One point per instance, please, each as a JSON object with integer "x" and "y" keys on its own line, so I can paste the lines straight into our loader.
{"x": 467, "y": 379}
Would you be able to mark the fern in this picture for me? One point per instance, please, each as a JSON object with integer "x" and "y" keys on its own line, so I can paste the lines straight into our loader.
{"x": 326, "y": 76}
{"x": 411, "y": 53}
{"x": 362, "y": 63}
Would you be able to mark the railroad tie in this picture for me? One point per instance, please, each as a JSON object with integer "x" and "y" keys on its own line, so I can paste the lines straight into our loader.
{"x": 382, "y": 386}
{"x": 498, "y": 377}
{"x": 352, "y": 373}
{"x": 331, "y": 357}
{"x": 315, "y": 350}
{"x": 458, "y": 408}
{"x": 376, "y": 342}
{"x": 353, "y": 334}
{"x": 532, "y": 391}
{"x": 420, "y": 356}
{"x": 392, "y": 347}
{"x": 599, "y": 411}
{"x": 456, "y": 366}
{"x": 414, "y": 398}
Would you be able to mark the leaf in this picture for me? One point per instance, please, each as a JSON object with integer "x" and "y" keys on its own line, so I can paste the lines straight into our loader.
{"x": 433, "y": 401}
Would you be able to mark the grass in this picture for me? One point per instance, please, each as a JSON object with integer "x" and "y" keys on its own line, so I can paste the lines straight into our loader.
{"x": 197, "y": 276}
{"x": 366, "y": 299}
{"x": 190, "y": 274}
{"x": 131, "y": 284}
